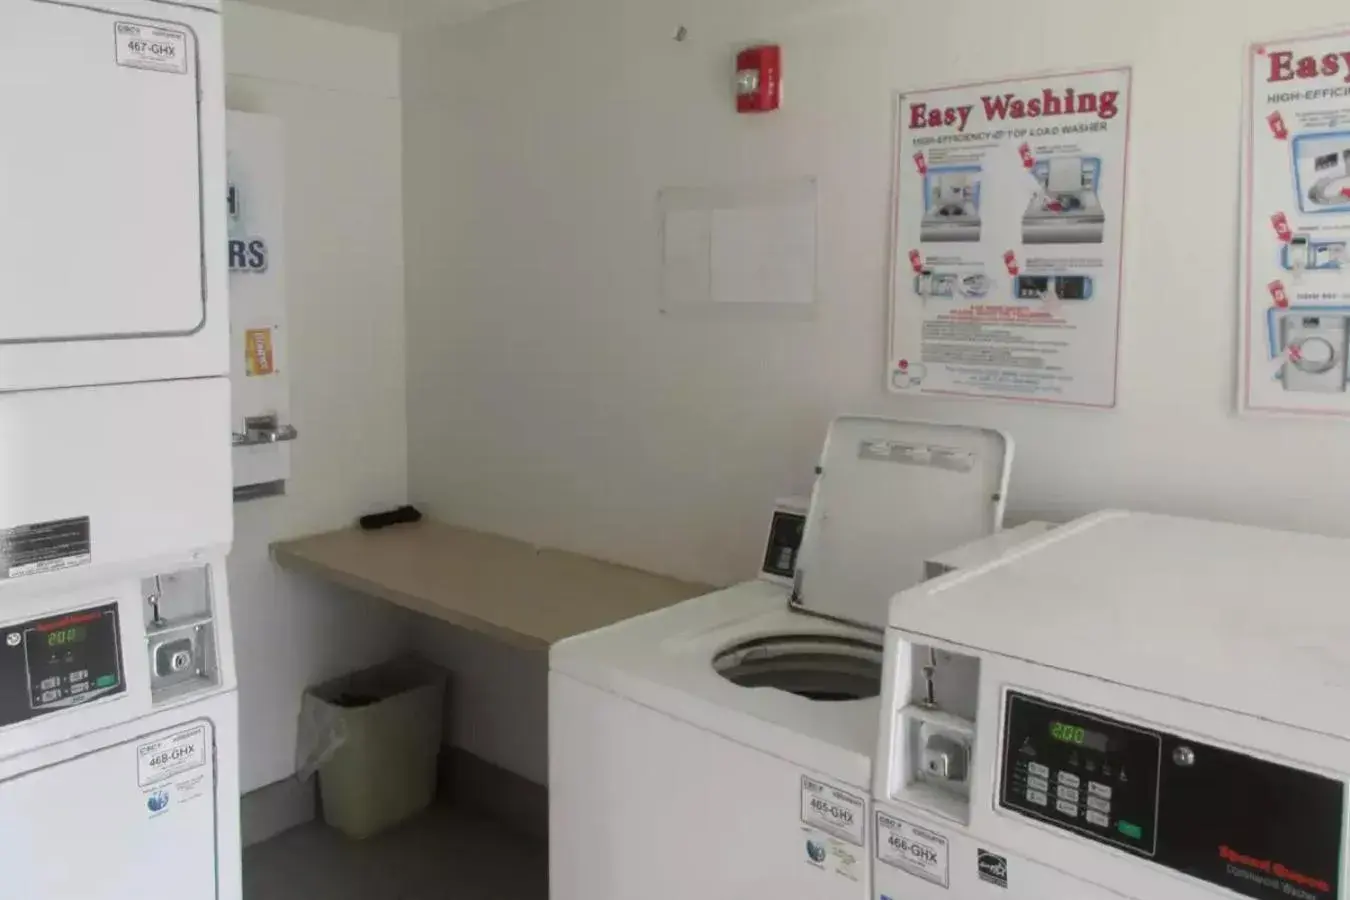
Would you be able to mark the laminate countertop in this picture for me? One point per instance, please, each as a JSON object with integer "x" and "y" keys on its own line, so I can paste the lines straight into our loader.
{"x": 506, "y": 589}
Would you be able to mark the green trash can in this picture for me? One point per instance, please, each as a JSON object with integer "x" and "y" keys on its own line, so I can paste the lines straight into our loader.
{"x": 373, "y": 736}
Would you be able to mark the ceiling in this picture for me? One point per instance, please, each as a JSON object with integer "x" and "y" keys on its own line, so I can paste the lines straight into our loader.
{"x": 387, "y": 15}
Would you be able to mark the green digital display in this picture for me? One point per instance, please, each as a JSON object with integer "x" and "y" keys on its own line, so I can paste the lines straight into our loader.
{"x": 64, "y": 637}
{"x": 1078, "y": 735}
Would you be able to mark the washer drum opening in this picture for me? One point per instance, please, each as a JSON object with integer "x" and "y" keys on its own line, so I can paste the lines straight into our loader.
{"x": 818, "y": 667}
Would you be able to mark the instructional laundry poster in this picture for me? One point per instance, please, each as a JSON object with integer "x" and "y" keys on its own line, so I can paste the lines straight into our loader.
{"x": 1009, "y": 212}
{"x": 1296, "y": 218}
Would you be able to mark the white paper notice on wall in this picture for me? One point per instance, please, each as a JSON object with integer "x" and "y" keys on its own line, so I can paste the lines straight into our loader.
{"x": 764, "y": 255}
{"x": 686, "y": 270}
{"x": 747, "y": 251}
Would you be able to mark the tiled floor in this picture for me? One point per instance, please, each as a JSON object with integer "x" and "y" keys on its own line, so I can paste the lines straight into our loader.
{"x": 442, "y": 855}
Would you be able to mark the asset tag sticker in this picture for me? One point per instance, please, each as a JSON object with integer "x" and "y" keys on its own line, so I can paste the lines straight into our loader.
{"x": 911, "y": 848}
{"x": 150, "y": 47}
{"x": 830, "y": 809}
{"x": 162, "y": 759}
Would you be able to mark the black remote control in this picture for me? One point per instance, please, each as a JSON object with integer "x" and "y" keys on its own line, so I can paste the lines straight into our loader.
{"x": 376, "y": 521}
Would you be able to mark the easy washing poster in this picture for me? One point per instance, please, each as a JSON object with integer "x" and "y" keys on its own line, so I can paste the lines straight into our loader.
{"x": 1009, "y": 212}
{"x": 1295, "y": 294}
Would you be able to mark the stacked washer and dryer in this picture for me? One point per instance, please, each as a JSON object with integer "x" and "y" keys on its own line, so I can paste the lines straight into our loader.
{"x": 118, "y": 716}
{"x": 722, "y": 748}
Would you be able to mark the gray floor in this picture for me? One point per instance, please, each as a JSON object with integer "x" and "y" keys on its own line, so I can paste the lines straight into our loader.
{"x": 443, "y": 854}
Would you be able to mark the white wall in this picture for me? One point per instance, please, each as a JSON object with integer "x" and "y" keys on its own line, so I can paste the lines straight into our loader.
{"x": 549, "y": 400}
{"x": 336, "y": 91}
{"x": 497, "y": 706}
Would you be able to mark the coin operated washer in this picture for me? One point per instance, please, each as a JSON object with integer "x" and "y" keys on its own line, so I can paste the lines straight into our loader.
{"x": 1120, "y": 741}
{"x": 114, "y": 325}
{"x": 747, "y": 717}
{"x": 118, "y": 711}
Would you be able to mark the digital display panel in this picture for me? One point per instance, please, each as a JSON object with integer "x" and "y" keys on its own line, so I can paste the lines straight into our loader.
{"x": 1078, "y": 735}
{"x": 76, "y": 634}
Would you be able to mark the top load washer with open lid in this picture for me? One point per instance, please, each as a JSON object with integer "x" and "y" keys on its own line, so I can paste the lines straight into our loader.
{"x": 748, "y": 717}
{"x": 112, "y": 193}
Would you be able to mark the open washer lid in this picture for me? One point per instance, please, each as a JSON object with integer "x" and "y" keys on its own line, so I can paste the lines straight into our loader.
{"x": 889, "y": 495}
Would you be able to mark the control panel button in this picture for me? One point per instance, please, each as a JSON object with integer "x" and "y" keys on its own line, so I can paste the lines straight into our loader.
{"x": 49, "y": 683}
{"x": 79, "y": 688}
{"x": 1038, "y": 797}
{"x": 50, "y": 696}
{"x": 79, "y": 675}
{"x": 1038, "y": 784}
{"x": 1040, "y": 770}
{"x": 1069, "y": 779}
{"x": 1130, "y": 830}
{"x": 1067, "y": 793}
{"x": 1099, "y": 804}
{"x": 1099, "y": 790}
{"x": 1068, "y": 809}
{"x": 1096, "y": 818}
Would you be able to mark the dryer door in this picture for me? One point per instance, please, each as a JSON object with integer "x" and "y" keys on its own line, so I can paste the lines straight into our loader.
{"x": 103, "y": 189}
{"x": 132, "y": 820}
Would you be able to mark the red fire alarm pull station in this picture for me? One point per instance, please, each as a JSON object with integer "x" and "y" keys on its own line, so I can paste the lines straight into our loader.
{"x": 759, "y": 79}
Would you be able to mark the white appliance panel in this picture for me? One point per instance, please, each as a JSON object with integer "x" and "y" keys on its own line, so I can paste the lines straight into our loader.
{"x": 128, "y": 216}
{"x": 161, "y": 484}
{"x": 112, "y": 178}
{"x": 888, "y": 496}
{"x": 723, "y": 821}
{"x": 95, "y": 827}
{"x": 969, "y": 865}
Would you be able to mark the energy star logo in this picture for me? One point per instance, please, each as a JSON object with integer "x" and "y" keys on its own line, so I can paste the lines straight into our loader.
{"x": 993, "y": 868}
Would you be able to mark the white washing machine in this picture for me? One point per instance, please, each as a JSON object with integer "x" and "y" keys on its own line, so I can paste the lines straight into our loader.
{"x": 118, "y": 736}
{"x": 722, "y": 748}
{"x": 1159, "y": 709}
